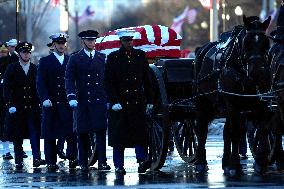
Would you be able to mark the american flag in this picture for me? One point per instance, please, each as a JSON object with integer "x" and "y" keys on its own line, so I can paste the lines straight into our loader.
{"x": 55, "y": 3}
{"x": 188, "y": 15}
{"x": 87, "y": 14}
{"x": 207, "y": 3}
{"x": 154, "y": 40}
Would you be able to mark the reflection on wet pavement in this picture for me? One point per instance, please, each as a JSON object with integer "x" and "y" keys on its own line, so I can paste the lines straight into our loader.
{"x": 175, "y": 173}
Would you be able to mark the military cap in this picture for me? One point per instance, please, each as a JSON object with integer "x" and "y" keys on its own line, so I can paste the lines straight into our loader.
{"x": 24, "y": 46}
{"x": 59, "y": 37}
{"x": 88, "y": 34}
{"x": 12, "y": 42}
{"x": 125, "y": 33}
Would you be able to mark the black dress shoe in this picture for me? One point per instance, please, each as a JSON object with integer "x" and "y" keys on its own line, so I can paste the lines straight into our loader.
{"x": 61, "y": 154}
{"x": 143, "y": 166}
{"x": 42, "y": 161}
{"x": 120, "y": 171}
{"x": 37, "y": 162}
{"x": 73, "y": 164}
{"x": 19, "y": 166}
{"x": 103, "y": 166}
{"x": 7, "y": 156}
{"x": 52, "y": 168}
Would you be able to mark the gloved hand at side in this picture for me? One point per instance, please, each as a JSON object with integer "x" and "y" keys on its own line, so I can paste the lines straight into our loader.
{"x": 116, "y": 107}
{"x": 73, "y": 103}
{"x": 12, "y": 110}
{"x": 47, "y": 103}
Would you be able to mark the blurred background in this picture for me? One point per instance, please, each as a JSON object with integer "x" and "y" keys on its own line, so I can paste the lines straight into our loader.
{"x": 36, "y": 20}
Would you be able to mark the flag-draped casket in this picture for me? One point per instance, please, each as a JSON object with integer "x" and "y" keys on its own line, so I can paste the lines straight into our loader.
{"x": 154, "y": 40}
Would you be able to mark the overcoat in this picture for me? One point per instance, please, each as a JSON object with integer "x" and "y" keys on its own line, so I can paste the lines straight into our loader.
{"x": 4, "y": 61}
{"x": 84, "y": 83}
{"x": 19, "y": 91}
{"x": 128, "y": 83}
{"x": 57, "y": 120}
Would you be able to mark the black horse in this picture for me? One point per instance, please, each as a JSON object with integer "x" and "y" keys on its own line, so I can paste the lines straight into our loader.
{"x": 228, "y": 71}
{"x": 276, "y": 58}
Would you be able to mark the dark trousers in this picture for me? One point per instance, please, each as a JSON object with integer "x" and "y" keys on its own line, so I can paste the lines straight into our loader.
{"x": 118, "y": 155}
{"x": 34, "y": 138}
{"x": 84, "y": 144}
{"x": 50, "y": 148}
{"x": 60, "y": 144}
{"x": 18, "y": 150}
{"x": 34, "y": 141}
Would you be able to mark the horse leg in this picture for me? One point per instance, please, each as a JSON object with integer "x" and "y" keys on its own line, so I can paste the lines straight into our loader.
{"x": 235, "y": 164}
{"x": 227, "y": 146}
{"x": 201, "y": 132}
{"x": 203, "y": 118}
{"x": 261, "y": 155}
{"x": 278, "y": 154}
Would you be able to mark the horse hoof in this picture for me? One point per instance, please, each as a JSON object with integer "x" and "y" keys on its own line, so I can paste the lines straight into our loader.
{"x": 280, "y": 166}
{"x": 200, "y": 168}
{"x": 235, "y": 172}
{"x": 259, "y": 170}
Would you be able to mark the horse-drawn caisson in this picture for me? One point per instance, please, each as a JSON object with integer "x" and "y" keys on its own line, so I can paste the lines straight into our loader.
{"x": 228, "y": 78}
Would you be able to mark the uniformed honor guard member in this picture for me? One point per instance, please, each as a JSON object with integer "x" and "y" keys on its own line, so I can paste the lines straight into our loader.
{"x": 128, "y": 87}
{"x": 4, "y": 61}
{"x": 85, "y": 92}
{"x": 60, "y": 141}
{"x": 57, "y": 115}
{"x": 11, "y": 45}
{"x": 22, "y": 102}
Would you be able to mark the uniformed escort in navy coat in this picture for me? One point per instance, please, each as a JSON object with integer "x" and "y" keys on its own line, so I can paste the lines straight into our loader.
{"x": 23, "y": 105}
{"x": 129, "y": 90}
{"x": 85, "y": 91}
{"x": 57, "y": 115}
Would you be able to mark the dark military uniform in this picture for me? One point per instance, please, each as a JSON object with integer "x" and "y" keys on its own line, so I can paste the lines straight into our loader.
{"x": 84, "y": 83}
{"x": 20, "y": 92}
{"x": 57, "y": 120}
{"x": 4, "y": 61}
{"x": 127, "y": 82}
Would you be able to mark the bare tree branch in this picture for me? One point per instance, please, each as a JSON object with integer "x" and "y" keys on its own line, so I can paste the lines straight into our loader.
{"x": 42, "y": 14}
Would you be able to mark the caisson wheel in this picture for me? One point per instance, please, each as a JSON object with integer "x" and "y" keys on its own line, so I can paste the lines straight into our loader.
{"x": 185, "y": 139}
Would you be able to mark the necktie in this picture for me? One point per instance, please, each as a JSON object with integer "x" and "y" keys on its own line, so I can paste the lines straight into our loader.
{"x": 91, "y": 56}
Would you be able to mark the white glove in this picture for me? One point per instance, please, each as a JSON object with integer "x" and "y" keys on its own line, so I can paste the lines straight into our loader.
{"x": 73, "y": 103}
{"x": 47, "y": 103}
{"x": 12, "y": 110}
{"x": 116, "y": 107}
{"x": 149, "y": 107}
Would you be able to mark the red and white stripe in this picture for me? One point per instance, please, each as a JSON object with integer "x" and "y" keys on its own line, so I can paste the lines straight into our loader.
{"x": 154, "y": 40}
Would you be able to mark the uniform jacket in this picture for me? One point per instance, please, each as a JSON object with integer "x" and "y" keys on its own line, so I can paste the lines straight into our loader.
{"x": 57, "y": 121}
{"x": 84, "y": 83}
{"x": 20, "y": 91}
{"x": 127, "y": 82}
{"x": 4, "y": 61}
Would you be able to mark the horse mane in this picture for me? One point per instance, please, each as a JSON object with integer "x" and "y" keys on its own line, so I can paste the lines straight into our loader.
{"x": 233, "y": 50}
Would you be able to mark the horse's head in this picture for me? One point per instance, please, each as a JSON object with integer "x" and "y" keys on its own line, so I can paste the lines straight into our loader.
{"x": 255, "y": 47}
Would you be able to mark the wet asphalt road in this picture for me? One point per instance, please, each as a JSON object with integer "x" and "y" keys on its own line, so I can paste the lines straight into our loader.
{"x": 174, "y": 174}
